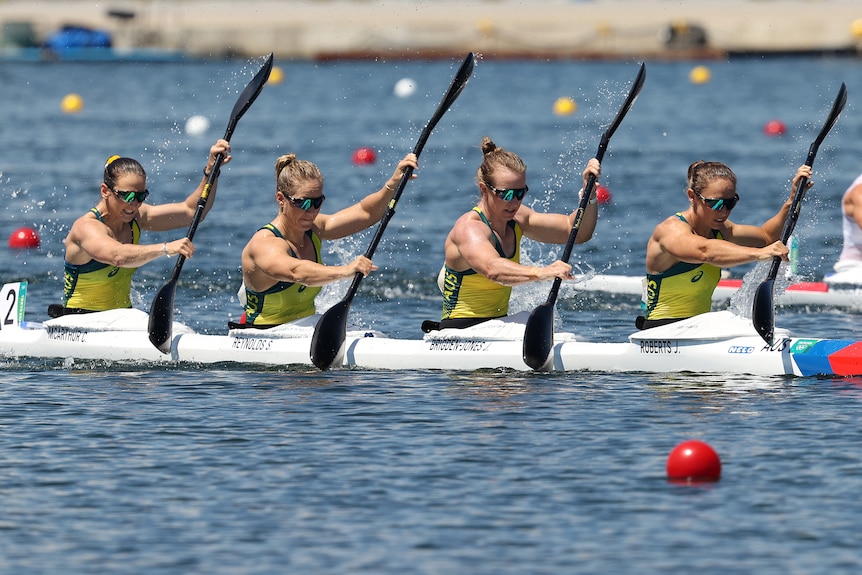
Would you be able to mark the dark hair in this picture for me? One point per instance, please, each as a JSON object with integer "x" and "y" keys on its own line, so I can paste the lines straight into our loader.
{"x": 115, "y": 166}
{"x": 701, "y": 174}
{"x": 289, "y": 172}
{"x": 496, "y": 158}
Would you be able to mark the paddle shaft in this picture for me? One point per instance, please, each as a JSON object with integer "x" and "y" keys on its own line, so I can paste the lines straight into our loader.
{"x": 591, "y": 180}
{"x": 202, "y": 203}
{"x": 763, "y": 308}
{"x": 248, "y": 96}
{"x": 802, "y": 186}
{"x": 539, "y": 329}
{"x": 331, "y": 329}
{"x": 162, "y": 309}
{"x": 452, "y": 94}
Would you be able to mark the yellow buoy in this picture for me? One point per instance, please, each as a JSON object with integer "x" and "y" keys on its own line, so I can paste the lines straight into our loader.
{"x": 484, "y": 26}
{"x": 565, "y": 106}
{"x": 276, "y": 76}
{"x": 72, "y": 103}
{"x": 699, "y": 75}
{"x": 856, "y": 28}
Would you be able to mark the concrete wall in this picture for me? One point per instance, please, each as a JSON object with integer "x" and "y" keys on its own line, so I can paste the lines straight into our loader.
{"x": 502, "y": 28}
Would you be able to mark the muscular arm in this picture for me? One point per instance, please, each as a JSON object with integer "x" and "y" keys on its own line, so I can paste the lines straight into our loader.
{"x": 771, "y": 229}
{"x": 674, "y": 241}
{"x": 267, "y": 260}
{"x": 367, "y": 211}
{"x": 91, "y": 239}
{"x": 163, "y": 217}
{"x": 556, "y": 228}
{"x": 470, "y": 245}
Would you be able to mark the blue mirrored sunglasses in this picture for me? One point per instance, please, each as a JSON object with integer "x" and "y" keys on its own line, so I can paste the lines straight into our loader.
{"x": 307, "y": 203}
{"x": 510, "y": 194}
{"x": 129, "y": 196}
{"x": 720, "y": 203}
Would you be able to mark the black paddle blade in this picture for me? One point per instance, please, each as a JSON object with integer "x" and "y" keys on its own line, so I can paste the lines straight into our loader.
{"x": 162, "y": 317}
{"x": 763, "y": 315}
{"x": 248, "y": 96}
{"x": 539, "y": 336}
{"x": 329, "y": 335}
{"x": 459, "y": 82}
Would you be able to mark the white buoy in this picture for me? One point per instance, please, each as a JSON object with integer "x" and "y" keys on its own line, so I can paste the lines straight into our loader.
{"x": 197, "y": 125}
{"x": 404, "y": 87}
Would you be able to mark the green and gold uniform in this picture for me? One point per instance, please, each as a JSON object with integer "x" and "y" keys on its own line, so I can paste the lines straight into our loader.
{"x": 285, "y": 301}
{"x": 684, "y": 290}
{"x": 469, "y": 294}
{"x": 95, "y": 286}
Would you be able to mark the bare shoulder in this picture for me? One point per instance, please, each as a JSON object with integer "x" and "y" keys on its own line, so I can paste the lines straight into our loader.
{"x": 467, "y": 225}
{"x": 671, "y": 225}
{"x": 86, "y": 225}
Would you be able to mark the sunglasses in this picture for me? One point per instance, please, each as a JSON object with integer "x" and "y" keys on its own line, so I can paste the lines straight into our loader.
{"x": 129, "y": 197}
{"x": 510, "y": 194}
{"x": 719, "y": 203}
{"x": 307, "y": 203}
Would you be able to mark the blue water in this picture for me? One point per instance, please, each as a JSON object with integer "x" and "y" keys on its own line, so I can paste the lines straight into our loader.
{"x": 144, "y": 469}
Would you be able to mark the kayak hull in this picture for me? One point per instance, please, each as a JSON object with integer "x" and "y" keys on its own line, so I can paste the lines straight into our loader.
{"x": 718, "y": 342}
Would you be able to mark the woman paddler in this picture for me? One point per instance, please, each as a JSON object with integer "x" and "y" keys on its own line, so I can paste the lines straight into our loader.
{"x": 282, "y": 267}
{"x": 686, "y": 251}
{"x": 103, "y": 246}
{"x": 482, "y": 251}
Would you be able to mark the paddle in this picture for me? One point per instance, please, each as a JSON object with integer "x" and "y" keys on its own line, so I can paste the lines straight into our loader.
{"x": 763, "y": 312}
{"x": 331, "y": 329}
{"x": 162, "y": 308}
{"x": 539, "y": 331}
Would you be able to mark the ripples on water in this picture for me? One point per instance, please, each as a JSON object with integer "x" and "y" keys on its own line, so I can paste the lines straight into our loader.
{"x": 133, "y": 469}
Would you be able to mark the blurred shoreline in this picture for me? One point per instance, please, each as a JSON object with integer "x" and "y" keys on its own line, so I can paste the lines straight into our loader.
{"x": 544, "y": 29}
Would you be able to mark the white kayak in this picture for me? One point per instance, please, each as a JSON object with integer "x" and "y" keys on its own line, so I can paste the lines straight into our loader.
{"x": 717, "y": 342}
{"x": 825, "y": 293}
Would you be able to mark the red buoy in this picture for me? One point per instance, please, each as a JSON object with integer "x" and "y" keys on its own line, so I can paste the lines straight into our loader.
{"x": 774, "y": 128}
{"x": 603, "y": 195}
{"x": 693, "y": 460}
{"x": 24, "y": 238}
{"x": 364, "y": 156}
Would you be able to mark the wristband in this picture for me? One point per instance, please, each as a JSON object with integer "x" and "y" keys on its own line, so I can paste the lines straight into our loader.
{"x": 165, "y": 249}
{"x": 206, "y": 175}
{"x": 593, "y": 200}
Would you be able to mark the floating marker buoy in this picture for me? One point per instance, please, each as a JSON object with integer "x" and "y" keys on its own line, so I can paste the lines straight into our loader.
{"x": 603, "y": 195}
{"x": 774, "y": 128}
{"x": 484, "y": 26}
{"x": 856, "y": 28}
{"x": 565, "y": 106}
{"x": 197, "y": 125}
{"x": 699, "y": 75}
{"x": 72, "y": 103}
{"x": 404, "y": 88}
{"x": 693, "y": 460}
{"x": 276, "y": 76}
{"x": 24, "y": 238}
{"x": 364, "y": 156}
